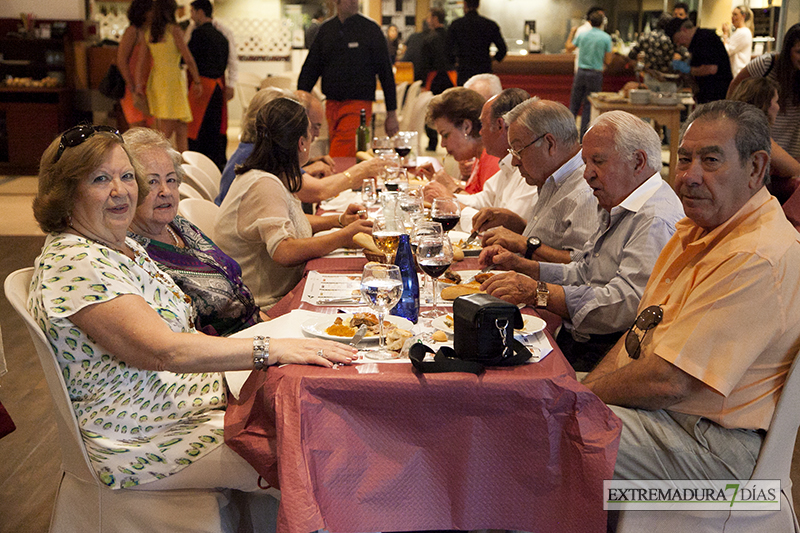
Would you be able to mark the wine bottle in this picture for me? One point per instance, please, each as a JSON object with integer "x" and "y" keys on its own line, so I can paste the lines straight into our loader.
{"x": 362, "y": 134}
{"x": 408, "y": 306}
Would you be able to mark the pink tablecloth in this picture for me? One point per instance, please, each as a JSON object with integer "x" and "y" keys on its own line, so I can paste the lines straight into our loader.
{"x": 383, "y": 448}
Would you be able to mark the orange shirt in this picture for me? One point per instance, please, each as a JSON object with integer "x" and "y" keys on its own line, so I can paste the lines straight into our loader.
{"x": 731, "y": 302}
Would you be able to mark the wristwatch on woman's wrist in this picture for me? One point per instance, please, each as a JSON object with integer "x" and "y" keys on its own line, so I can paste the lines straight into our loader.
{"x": 260, "y": 352}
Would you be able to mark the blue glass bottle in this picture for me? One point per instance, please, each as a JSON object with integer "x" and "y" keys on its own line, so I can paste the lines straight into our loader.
{"x": 408, "y": 306}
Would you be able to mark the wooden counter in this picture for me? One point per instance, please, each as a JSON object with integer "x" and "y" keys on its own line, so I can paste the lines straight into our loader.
{"x": 30, "y": 118}
{"x": 549, "y": 76}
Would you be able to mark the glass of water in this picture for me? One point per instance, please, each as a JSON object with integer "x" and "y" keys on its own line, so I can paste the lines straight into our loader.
{"x": 381, "y": 287}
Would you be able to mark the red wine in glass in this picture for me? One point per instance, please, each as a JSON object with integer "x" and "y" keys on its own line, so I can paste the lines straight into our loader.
{"x": 448, "y": 222}
{"x": 433, "y": 268}
{"x": 402, "y": 151}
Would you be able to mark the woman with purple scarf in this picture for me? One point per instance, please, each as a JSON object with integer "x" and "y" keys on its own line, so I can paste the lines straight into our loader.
{"x": 223, "y": 304}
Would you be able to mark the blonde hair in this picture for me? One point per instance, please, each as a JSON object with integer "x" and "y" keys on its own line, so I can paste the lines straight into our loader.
{"x": 263, "y": 96}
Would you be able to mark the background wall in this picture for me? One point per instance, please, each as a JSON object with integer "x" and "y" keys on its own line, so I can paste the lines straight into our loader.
{"x": 44, "y": 9}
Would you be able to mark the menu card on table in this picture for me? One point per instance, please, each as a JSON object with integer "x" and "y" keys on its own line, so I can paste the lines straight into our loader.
{"x": 332, "y": 289}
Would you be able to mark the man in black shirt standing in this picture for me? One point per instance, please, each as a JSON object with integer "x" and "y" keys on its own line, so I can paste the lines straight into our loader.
{"x": 349, "y": 51}
{"x": 469, "y": 38}
{"x": 207, "y": 131}
{"x": 710, "y": 65}
{"x": 435, "y": 64}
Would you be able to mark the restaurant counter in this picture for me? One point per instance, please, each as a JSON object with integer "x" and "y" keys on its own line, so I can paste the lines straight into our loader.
{"x": 549, "y": 76}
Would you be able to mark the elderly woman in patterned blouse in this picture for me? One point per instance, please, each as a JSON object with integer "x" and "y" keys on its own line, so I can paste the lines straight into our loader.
{"x": 145, "y": 385}
{"x": 213, "y": 280}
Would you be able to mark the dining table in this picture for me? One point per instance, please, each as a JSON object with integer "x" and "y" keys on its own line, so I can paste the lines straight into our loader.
{"x": 378, "y": 446}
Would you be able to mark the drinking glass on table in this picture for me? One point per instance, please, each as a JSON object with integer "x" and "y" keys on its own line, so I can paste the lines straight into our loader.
{"x": 424, "y": 229}
{"x": 386, "y": 236}
{"x": 434, "y": 256}
{"x": 381, "y": 287}
{"x": 369, "y": 193}
{"x": 412, "y": 208}
{"x": 446, "y": 211}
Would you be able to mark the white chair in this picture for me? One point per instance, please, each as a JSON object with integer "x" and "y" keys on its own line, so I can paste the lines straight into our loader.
{"x": 402, "y": 87}
{"x": 204, "y": 163}
{"x": 202, "y": 213}
{"x": 417, "y": 119}
{"x": 408, "y": 104}
{"x": 774, "y": 462}
{"x": 200, "y": 181}
{"x": 247, "y": 86}
{"x": 187, "y": 191}
{"x": 83, "y": 502}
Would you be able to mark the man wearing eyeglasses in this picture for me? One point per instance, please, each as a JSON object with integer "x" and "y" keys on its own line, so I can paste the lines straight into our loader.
{"x": 543, "y": 145}
{"x": 696, "y": 379}
{"x": 597, "y": 293}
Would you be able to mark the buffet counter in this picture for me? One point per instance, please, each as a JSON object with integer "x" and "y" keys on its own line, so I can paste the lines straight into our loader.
{"x": 549, "y": 76}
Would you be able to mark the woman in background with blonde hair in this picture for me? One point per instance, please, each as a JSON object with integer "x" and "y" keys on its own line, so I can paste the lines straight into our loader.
{"x": 740, "y": 44}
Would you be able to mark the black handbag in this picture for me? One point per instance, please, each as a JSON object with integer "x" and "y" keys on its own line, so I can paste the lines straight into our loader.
{"x": 483, "y": 335}
{"x": 113, "y": 84}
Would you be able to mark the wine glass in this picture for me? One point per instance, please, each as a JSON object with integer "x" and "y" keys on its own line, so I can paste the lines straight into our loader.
{"x": 412, "y": 207}
{"x": 369, "y": 192}
{"x": 446, "y": 211}
{"x": 381, "y": 287}
{"x": 434, "y": 256}
{"x": 424, "y": 229}
{"x": 386, "y": 236}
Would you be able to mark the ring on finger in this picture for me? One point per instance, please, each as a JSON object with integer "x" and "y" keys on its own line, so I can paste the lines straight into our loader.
{"x": 320, "y": 353}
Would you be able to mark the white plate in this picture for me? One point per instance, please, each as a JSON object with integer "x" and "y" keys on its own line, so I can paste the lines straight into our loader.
{"x": 531, "y": 325}
{"x": 316, "y": 327}
{"x": 459, "y": 236}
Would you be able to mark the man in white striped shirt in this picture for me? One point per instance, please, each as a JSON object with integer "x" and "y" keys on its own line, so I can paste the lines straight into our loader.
{"x": 598, "y": 293}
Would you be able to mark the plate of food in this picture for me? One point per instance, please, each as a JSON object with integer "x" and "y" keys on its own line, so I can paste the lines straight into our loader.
{"x": 459, "y": 238}
{"x": 342, "y": 327}
{"x": 531, "y": 324}
{"x": 455, "y": 284}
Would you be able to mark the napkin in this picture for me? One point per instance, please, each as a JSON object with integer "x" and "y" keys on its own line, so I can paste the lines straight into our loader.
{"x": 341, "y": 201}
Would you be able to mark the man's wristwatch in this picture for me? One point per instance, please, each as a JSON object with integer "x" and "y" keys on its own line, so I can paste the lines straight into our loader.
{"x": 542, "y": 294}
{"x": 533, "y": 244}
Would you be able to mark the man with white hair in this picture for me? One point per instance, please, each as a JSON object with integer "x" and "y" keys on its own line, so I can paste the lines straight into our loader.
{"x": 486, "y": 85}
{"x": 597, "y": 295}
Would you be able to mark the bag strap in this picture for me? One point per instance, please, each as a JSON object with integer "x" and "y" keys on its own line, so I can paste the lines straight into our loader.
{"x": 446, "y": 360}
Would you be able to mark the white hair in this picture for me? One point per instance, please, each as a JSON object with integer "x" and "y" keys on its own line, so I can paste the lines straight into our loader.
{"x": 487, "y": 85}
{"x": 632, "y": 134}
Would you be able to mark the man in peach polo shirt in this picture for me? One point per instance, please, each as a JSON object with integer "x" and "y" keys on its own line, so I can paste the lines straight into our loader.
{"x": 696, "y": 379}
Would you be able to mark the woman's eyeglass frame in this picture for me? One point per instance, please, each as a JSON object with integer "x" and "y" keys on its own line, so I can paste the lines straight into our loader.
{"x": 648, "y": 319}
{"x": 75, "y": 136}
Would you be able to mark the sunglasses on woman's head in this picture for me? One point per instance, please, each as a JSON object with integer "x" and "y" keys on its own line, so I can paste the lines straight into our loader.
{"x": 77, "y": 135}
{"x": 647, "y": 320}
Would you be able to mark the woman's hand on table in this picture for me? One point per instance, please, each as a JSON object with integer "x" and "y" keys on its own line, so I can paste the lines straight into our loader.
{"x": 511, "y": 287}
{"x": 307, "y": 352}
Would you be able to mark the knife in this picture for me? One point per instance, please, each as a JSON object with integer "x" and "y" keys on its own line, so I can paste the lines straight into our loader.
{"x": 484, "y": 270}
{"x": 362, "y": 330}
{"x": 471, "y": 238}
{"x": 334, "y": 301}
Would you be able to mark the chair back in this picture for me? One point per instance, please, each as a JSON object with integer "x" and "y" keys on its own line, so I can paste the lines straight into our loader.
{"x": 402, "y": 87}
{"x": 408, "y": 104}
{"x": 73, "y": 453}
{"x": 200, "y": 181}
{"x": 417, "y": 119}
{"x": 204, "y": 163}
{"x": 247, "y": 87}
{"x": 187, "y": 191}
{"x": 202, "y": 213}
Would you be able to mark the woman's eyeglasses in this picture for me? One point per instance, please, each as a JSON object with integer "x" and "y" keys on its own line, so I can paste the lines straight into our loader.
{"x": 647, "y": 320}
{"x": 77, "y": 135}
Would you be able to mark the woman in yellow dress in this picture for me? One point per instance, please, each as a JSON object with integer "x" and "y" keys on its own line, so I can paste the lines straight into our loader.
{"x": 165, "y": 88}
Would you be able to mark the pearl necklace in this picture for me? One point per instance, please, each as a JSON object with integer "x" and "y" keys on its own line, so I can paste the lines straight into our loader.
{"x": 174, "y": 236}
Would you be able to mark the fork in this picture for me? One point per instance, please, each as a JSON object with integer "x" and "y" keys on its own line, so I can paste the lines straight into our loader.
{"x": 471, "y": 239}
{"x": 484, "y": 270}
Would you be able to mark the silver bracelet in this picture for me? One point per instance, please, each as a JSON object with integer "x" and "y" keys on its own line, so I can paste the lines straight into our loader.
{"x": 260, "y": 352}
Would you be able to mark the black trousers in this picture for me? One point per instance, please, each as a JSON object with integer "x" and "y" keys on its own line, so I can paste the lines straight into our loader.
{"x": 209, "y": 140}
